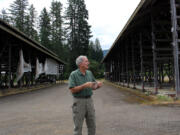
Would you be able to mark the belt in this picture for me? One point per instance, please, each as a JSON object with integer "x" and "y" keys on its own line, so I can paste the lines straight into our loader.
{"x": 85, "y": 97}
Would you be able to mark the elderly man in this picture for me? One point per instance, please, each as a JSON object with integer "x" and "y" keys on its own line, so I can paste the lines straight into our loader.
{"x": 81, "y": 84}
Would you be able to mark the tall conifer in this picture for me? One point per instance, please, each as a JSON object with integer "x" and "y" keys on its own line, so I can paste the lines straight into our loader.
{"x": 30, "y": 24}
{"x": 78, "y": 29}
{"x": 45, "y": 28}
{"x": 56, "y": 28}
{"x": 4, "y": 15}
{"x": 18, "y": 11}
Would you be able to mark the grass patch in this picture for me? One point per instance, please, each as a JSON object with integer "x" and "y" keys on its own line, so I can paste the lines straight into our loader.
{"x": 164, "y": 98}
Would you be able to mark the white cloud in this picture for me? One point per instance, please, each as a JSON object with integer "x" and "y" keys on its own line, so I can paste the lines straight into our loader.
{"x": 5, "y": 4}
{"x": 106, "y": 17}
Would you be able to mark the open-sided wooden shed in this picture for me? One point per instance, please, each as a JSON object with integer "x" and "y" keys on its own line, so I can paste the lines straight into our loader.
{"x": 12, "y": 44}
{"x": 147, "y": 49}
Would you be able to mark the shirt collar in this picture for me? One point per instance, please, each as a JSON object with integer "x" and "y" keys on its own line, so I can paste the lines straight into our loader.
{"x": 80, "y": 73}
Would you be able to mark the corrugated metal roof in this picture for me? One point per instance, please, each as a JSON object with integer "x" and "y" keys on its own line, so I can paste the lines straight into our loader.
{"x": 20, "y": 35}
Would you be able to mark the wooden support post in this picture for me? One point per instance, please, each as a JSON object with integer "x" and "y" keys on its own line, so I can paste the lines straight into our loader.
{"x": 154, "y": 56}
{"x": 169, "y": 72}
{"x": 9, "y": 67}
{"x": 0, "y": 79}
{"x": 119, "y": 70}
{"x": 111, "y": 78}
{"x": 108, "y": 71}
{"x": 160, "y": 76}
{"x": 142, "y": 66}
{"x": 127, "y": 72}
{"x": 162, "y": 73}
{"x": 133, "y": 62}
{"x": 175, "y": 47}
{"x": 113, "y": 71}
{"x": 120, "y": 62}
{"x": 122, "y": 65}
{"x": 109, "y": 65}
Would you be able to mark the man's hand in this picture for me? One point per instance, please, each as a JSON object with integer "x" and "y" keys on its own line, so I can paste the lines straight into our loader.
{"x": 88, "y": 85}
{"x": 99, "y": 84}
{"x": 96, "y": 85}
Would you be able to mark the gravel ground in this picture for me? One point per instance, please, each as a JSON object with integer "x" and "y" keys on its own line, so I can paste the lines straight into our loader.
{"x": 48, "y": 112}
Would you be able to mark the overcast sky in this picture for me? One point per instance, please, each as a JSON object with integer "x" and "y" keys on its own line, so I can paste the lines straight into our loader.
{"x": 106, "y": 17}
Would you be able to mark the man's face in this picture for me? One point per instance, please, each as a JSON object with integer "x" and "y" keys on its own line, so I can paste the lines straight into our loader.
{"x": 85, "y": 63}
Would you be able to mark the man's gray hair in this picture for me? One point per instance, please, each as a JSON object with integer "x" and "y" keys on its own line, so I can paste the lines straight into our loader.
{"x": 79, "y": 59}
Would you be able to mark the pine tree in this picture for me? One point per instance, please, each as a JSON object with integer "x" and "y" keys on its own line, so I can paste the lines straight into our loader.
{"x": 4, "y": 16}
{"x": 95, "y": 56}
{"x": 78, "y": 30}
{"x": 30, "y": 28}
{"x": 83, "y": 27}
{"x": 45, "y": 28}
{"x": 91, "y": 50}
{"x": 98, "y": 50}
{"x": 27, "y": 25}
{"x": 18, "y": 11}
{"x": 95, "y": 50}
{"x": 56, "y": 28}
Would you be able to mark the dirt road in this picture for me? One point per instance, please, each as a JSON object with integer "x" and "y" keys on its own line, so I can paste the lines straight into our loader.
{"x": 48, "y": 112}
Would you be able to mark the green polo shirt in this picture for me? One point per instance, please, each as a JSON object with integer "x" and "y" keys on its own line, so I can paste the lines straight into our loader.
{"x": 76, "y": 78}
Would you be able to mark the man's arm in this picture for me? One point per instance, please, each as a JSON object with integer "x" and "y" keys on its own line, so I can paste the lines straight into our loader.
{"x": 81, "y": 87}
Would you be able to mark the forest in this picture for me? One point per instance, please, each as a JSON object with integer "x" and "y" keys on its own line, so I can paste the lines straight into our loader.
{"x": 65, "y": 31}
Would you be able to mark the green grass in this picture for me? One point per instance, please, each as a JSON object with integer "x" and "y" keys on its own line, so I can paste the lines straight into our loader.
{"x": 164, "y": 98}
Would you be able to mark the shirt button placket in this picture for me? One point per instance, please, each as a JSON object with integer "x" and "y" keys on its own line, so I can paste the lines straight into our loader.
{"x": 85, "y": 82}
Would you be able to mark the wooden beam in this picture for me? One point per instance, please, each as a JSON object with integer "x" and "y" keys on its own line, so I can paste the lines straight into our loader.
{"x": 127, "y": 65}
{"x": 154, "y": 56}
{"x": 9, "y": 67}
{"x": 142, "y": 62}
{"x": 175, "y": 47}
{"x": 133, "y": 61}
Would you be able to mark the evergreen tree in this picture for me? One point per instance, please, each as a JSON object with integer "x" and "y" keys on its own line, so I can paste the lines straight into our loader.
{"x": 95, "y": 56}
{"x": 27, "y": 25}
{"x": 4, "y": 16}
{"x": 56, "y": 28}
{"x": 91, "y": 50}
{"x": 98, "y": 51}
{"x": 78, "y": 30}
{"x": 30, "y": 28}
{"x": 18, "y": 11}
{"x": 45, "y": 28}
{"x": 95, "y": 51}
